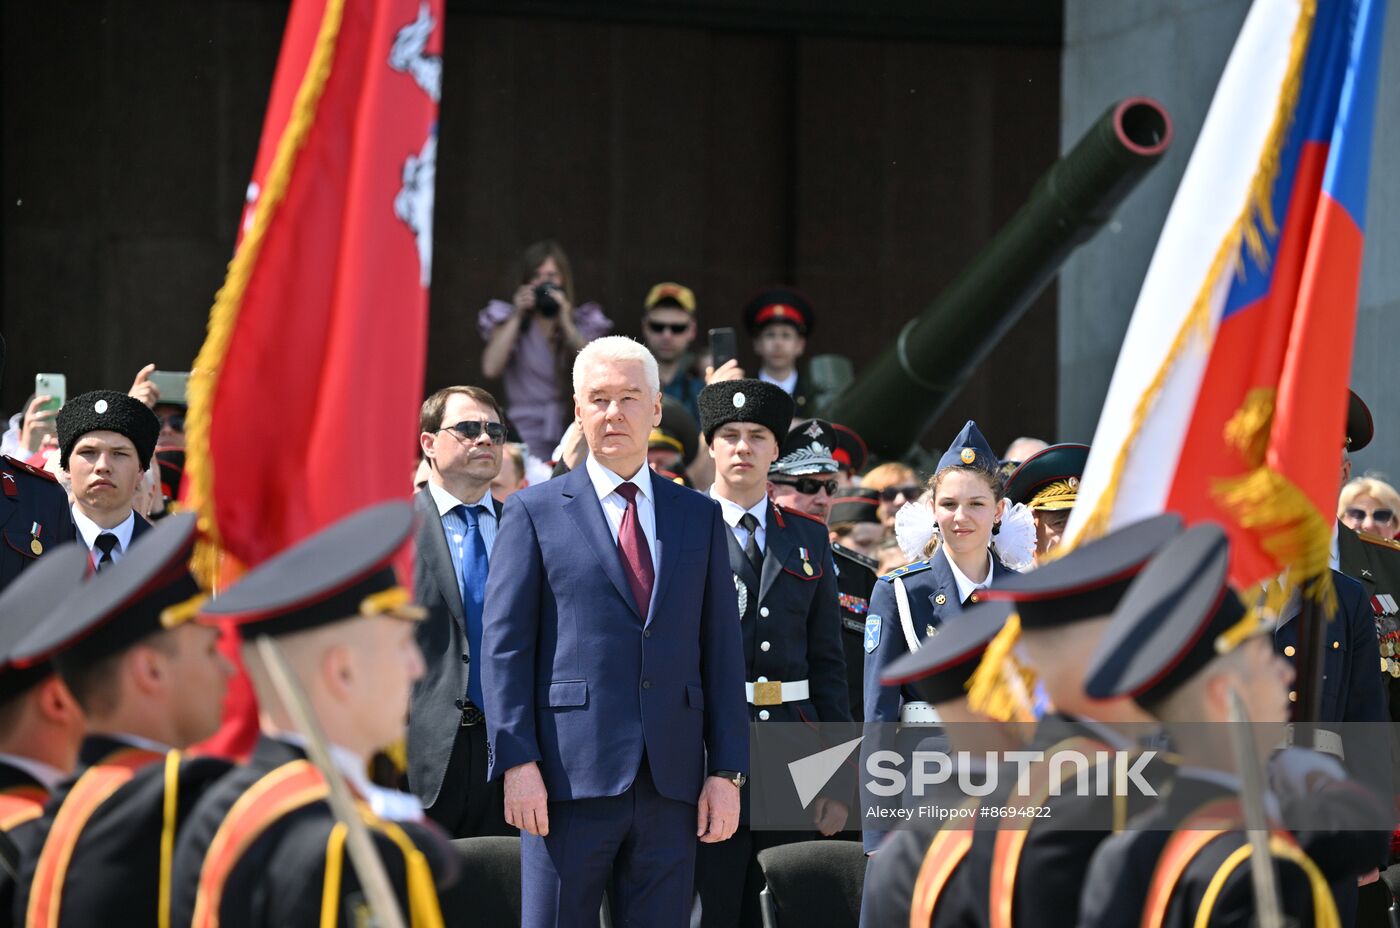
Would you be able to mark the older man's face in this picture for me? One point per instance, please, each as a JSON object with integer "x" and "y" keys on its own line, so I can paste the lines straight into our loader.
{"x": 617, "y": 409}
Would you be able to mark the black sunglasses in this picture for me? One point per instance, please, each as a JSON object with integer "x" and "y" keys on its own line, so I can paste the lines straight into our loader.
{"x": 675, "y": 328}
{"x": 811, "y": 486}
{"x": 1380, "y": 515}
{"x": 471, "y": 430}
{"x": 174, "y": 423}
{"x": 890, "y": 494}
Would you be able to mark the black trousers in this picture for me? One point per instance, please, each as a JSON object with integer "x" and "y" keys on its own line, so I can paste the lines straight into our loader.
{"x": 728, "y": 879}
{"x": 467, "y": 805}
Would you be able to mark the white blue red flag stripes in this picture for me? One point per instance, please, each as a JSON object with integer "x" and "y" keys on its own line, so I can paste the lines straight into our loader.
{"x": 1229, "y": 398}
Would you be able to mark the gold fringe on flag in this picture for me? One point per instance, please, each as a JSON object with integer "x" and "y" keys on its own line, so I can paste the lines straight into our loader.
{"x": 1255, "y": 220}
{"x": 204, "y": 376}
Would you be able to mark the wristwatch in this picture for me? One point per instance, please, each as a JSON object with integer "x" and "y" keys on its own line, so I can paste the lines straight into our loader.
{"x": 733, "y": 776}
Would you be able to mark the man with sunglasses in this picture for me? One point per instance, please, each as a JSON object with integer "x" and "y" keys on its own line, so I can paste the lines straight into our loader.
{"x": 786, "y": 584}
{"x": 668, "y": 328}
{"x": 462, "y": 439}
{"x": 806, "y": 478}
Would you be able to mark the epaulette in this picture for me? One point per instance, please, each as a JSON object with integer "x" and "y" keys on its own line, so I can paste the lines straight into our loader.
{"x": 1370, "y": 539}
{"x": 787, "y": 511}
{"x": 906, "y": 570}
{"x": 861, "y": 559}
{"x": 28, "y": 468}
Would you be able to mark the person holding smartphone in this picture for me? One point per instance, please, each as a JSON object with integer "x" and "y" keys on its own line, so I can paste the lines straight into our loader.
{"x": 668, "y": 329}
{"x": 531, "y": 342}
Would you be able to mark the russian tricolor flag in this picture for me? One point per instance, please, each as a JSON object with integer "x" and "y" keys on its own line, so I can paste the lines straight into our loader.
{"x": 1229, "y": 398}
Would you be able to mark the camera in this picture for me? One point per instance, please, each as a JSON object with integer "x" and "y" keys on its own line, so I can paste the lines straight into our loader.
{"x": 545, "y": 303}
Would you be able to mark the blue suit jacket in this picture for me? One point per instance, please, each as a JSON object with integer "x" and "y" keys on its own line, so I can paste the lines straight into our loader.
{"x": 571, "y": 677}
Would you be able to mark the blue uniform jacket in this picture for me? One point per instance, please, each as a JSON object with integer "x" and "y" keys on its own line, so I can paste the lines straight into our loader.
{"x": 571, "y": 676}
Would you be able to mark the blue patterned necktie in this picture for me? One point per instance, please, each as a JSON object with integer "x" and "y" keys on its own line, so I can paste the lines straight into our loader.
{"x": 473, "y": 585}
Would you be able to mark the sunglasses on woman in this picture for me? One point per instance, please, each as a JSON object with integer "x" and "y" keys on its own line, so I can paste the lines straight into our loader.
{"x": 1379, "y": 515}
{"x": 811, "y": 486}
{"x": 675, "y": 328}
{"x": 471, "y": 430}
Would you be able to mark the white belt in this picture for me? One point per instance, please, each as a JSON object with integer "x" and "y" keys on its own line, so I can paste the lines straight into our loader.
{"x": 918, "y": 713}
{"x": 774, "y": 692}
{"x": 1328, "y": 742}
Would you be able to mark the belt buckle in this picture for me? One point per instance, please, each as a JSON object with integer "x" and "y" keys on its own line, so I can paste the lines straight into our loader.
{"x": 768, "y": 693}
{"x": 472, "y": 715}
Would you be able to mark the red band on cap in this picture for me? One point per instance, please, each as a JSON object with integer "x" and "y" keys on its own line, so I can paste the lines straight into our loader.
{"x": 782, "y": 312}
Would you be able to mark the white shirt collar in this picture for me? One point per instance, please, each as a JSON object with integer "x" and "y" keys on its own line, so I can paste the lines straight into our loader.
{"x": 605, "y": 482}
{"x": 136, "y": 741}
{"x": 788, "y": 383}
{"x": 49, "y": 777}
{"x": 386, "y": 803}
{"x": 446, "y": 502}
{"x": 732, "y": 512}
{"x": 966, "y": 586}
{"x": 1334, "y": 553}
{"x": 89, "y": 530}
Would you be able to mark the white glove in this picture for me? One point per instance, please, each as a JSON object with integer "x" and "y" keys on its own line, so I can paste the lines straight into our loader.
{"x": 1296, "y": 772}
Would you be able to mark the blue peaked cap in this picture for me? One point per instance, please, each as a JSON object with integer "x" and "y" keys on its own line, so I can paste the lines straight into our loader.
{"x": 970, "y": 449}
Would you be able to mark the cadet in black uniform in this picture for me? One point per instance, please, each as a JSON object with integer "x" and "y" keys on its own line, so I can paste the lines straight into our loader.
{"x": 1047, "y": 483}
{"x": 917, "y": 869}
{"x": 1178, "y": 643}
{"x": 786, "y": 584}
{"x": 855, "y": 581}
{"x": 1061, "y": 609}
{"x": 262, "y": 847}
{"x": 40, "y": 724}
{"x": 148, "y": 681}
{"x": 789, "y": 315}
{"x": 960, "y": 524}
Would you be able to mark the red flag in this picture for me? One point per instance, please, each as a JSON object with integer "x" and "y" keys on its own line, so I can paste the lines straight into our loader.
{"x": 304, "y": 398}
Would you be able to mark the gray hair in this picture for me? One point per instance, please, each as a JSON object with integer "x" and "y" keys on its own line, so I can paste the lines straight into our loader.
{"x": 612, "y": 348}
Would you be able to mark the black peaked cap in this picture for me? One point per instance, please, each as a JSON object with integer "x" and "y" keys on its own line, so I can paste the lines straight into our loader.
{"x": 29, "y": 600}
{"x": 939, "y": 670}
{"x": 331, "y": 576}
{"x": 1170, "y": 623}
{"x": 1088, "y": 582}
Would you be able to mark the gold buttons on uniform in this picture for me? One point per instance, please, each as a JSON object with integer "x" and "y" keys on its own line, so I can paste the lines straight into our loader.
{"x": 1289, "y": 651}
{"x": 1336, "y": 645}
{"x": 930, "y": 631}
{"x": 1292, "y": 695}
{"x": 974, "y": 598}
{"x": 940, "y": 599}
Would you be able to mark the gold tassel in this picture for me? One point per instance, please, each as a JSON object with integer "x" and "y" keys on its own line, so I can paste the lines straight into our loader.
{"x": 1248, "y": 429}
{"x": 1256, "y": 212}
{"x": 1000, "y": 687}
{"x": 1290, "y": 530}
{"x": 204, "y": 375}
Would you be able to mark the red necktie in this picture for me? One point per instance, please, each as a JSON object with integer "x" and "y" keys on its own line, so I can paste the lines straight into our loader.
{"x": 636, "y": 554}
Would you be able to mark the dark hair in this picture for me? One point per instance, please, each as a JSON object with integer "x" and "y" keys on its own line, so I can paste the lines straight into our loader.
{"x": 535, "y": 254}
{"x": 430, "y": 414}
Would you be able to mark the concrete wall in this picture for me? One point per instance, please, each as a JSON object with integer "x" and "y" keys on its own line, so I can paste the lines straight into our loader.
{"x": 1175, "y": 50}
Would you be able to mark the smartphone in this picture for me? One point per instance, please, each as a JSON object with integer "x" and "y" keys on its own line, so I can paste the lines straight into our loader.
{"x": 52, "y": 385}
{"x": 724, "y": 346}
{"x": 173, "y": 386}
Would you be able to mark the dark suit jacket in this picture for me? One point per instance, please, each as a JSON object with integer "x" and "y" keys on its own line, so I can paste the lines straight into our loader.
{"x": 29, "y": 497}
{"x": 434, "y": 717}
{"x": 572, "y": 676}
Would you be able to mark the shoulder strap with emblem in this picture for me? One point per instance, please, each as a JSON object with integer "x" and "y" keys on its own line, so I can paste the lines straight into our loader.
{"x": 1011, "y": 841}
{"x": 30, "y": 469}
{"x": 21, "y": 804}
{"x": 92, "y": 789}
{"x": 947, "y": 849}
{"x": 287, "y": 788}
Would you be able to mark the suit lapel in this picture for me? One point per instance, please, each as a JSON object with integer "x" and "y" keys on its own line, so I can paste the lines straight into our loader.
{"x": 945, "y": 586}
{"x": 436, "y": 556}
{"x": 776, "y": 549}
{"x": 670, "y": 529}
{"x": 583, "y": 507}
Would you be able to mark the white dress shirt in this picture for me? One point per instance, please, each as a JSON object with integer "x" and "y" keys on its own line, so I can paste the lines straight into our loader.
{"x": 88, "y": 531}
{"x": 965, "y": 586}
{"x": 49, "y": 777}
{"x": 605, "y": 484}
{"x": 788, "y": 383}
{"x": 732, "y": 512}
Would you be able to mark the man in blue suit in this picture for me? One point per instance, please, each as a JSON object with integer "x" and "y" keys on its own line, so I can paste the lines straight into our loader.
{"x": 613, "y": 668}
